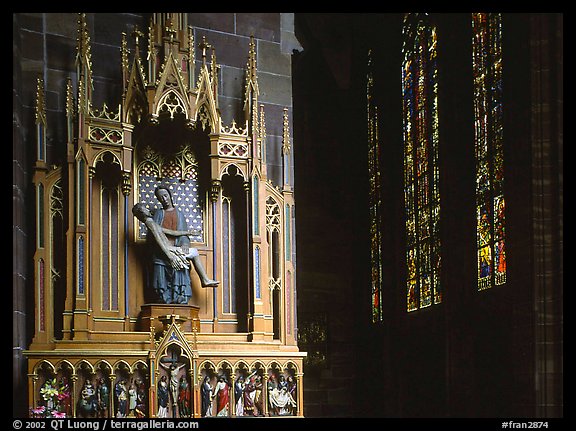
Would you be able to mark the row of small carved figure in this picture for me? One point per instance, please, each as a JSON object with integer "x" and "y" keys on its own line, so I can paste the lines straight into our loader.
{"x": 94, "y": 399}
{"x": 173, "y": 396}
{"x": 249, "y": 396}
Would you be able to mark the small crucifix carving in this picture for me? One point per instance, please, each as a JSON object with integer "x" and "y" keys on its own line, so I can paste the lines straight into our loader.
{"x": 172, "y": 370}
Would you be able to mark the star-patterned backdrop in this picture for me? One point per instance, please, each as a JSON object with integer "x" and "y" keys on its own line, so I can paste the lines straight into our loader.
{"x": 185, "y": 196}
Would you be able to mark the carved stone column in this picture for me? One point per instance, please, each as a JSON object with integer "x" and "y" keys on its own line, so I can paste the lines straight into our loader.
{"x": 112, "y": 397}
{"x": 265, "y": 394}
{"x": 215, "y": 197}
{"x": 299, "y": 395}
{"x": 233, "y": 395}
{"x": 74, "y": 379}
{"x": 33, "y": 391}
{"x": 89, "y": 231}
{"x": 249, "y": 269}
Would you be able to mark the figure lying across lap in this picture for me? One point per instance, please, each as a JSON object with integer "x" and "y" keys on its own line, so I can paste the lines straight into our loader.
{"x": 177, "y": 255}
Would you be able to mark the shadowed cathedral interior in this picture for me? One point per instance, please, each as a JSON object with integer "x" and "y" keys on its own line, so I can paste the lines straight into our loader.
{"x": 379, "y": 196}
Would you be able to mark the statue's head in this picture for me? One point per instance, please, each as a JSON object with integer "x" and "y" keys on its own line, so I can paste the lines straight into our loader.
{"x": 164, "y": 196}
{"x": 141, "y": 212}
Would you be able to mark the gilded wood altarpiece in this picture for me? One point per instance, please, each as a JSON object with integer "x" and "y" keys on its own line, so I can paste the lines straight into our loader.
{"x": 89, "y": 265}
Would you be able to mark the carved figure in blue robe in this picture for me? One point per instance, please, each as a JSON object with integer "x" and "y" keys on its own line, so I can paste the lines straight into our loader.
{"x": 168, "y": 239}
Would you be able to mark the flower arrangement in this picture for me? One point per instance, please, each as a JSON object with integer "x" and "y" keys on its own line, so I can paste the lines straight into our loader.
{"x": 55, "y": 399}
{"x": 49, "y": 391}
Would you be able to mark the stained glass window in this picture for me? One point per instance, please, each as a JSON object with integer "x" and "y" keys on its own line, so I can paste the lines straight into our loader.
{"x": 421, "y": 176}
{"x": 375, "y": 201}
{"x": 490, "y": 203}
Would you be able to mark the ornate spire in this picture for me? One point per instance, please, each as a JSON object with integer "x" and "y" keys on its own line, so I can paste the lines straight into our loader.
{"x": 214, "y": 75}
{"x": 124, "y": 59}
{"x": 251, "y": 66}
{"x": 69, "y": 111}
{"x": 40, "y": 113}
{"x": 69, "y": 99}
{"x": 286, "y": 134}
{"x": 251, "y": 90}
{"x": 151, "y": 56}
{"x": 286, "y": 148}
{"x": 213, "y": 66}
{"x": 191, "y": 59}
{"x": 262, "y": 133}
{"x": 40, "y": 108}
{"x": 137, "y": 61}
{"x": 84, "y": 65}
{"x": 255, "y": 127}
{"x": 262, "y": 124}
{"x": 83, "y": 52}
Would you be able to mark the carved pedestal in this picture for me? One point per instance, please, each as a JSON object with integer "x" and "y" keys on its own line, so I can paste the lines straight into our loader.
{"x": 155, "y": 314}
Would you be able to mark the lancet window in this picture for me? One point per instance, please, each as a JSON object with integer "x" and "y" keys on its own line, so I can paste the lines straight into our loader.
{"x": 375, "y": 201}
{"x": 488, "y": 144}
{"x": 421, "y": 172}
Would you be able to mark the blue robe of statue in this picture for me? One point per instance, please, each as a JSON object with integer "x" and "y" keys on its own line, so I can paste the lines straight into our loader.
{"x": 170, "y": 285}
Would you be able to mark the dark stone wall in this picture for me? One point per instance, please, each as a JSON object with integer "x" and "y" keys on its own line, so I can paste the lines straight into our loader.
{"x": 230, "y": 34}
{"x": 546, "y": 77}
{"x": 329, "y": 80}
{"x": 20, "y": 225}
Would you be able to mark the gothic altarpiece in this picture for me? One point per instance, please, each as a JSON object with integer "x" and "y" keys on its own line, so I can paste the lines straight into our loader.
{"x": 102, "y": 346}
